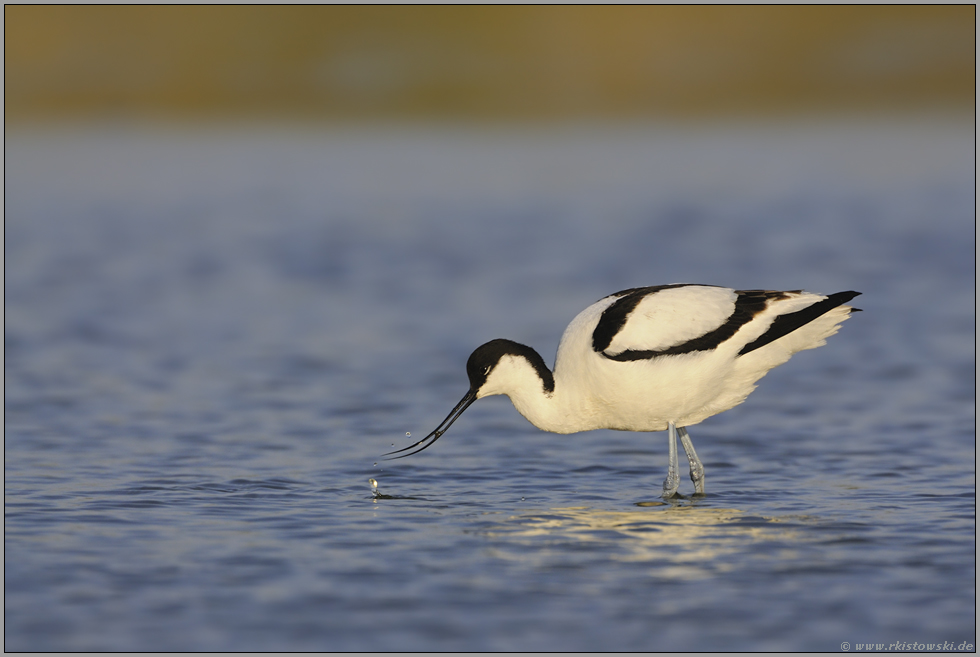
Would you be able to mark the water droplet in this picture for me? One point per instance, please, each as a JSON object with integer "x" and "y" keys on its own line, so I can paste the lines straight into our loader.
{"x": 408, "y": 434}
{"x": 374, "y": 484}
{"x": 522, "y": 499}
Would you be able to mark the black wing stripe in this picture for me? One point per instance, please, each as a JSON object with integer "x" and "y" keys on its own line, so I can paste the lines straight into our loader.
{"x": 785, "y": 324}
{"x": 748, "y": 304}
{"x": 614, "y": 317}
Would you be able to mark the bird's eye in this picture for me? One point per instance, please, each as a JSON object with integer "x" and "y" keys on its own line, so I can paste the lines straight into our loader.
{"x": 487, "y": 369}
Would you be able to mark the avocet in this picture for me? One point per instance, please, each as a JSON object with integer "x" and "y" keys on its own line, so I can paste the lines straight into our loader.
{"x": 652, "y": 358}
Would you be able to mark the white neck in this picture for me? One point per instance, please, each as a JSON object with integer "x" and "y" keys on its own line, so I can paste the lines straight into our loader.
{"x": 556, "y": 411}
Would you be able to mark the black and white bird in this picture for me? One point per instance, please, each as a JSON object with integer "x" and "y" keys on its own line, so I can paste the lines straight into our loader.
{"x": 652, "y": 358}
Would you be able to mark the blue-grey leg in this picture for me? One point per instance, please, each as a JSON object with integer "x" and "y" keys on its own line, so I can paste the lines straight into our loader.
{"x": 673, "y": 480}
{"x": 697, "y": 470}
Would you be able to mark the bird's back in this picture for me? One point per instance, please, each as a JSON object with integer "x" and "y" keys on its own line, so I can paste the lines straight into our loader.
{"x": 640, "y": 358}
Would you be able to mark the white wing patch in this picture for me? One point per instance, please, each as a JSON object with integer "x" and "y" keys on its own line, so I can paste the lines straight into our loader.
{"x": 672, "y": 317}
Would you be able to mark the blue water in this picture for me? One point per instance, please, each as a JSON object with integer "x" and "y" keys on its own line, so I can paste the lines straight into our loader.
{"x": 213, "y": 332}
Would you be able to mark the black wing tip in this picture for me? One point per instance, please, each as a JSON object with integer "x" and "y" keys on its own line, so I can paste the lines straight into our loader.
{"x": 844, "y": 297}
{"x": 785, "y": 324}
{"x": 839, "y": 299}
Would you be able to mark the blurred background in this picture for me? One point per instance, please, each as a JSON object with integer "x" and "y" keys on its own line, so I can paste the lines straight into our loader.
{"x": 496, "y": 63}
{"x": 248, "y": 248}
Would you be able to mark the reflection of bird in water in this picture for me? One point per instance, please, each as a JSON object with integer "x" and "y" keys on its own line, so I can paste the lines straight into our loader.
{"x": 653, "y": 358}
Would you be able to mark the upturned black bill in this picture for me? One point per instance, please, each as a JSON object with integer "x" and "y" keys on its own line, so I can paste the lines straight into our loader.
{"x": 429, "y": 440}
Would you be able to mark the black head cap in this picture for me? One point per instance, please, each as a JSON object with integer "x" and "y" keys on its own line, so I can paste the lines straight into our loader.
{"x": 485, "y": 357}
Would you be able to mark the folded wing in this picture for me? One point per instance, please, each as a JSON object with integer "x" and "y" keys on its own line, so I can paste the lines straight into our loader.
{"x": 667, "y": 320}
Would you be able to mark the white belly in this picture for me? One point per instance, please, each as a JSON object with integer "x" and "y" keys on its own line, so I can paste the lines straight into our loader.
{"x": 645, "y": 395}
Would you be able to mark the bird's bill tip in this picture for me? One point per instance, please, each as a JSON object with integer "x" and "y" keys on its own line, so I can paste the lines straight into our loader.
{"x": 430, "y": 439}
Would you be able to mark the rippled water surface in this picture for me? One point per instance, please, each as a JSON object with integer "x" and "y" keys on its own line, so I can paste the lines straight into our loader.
{"x": 212, "y": 335}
